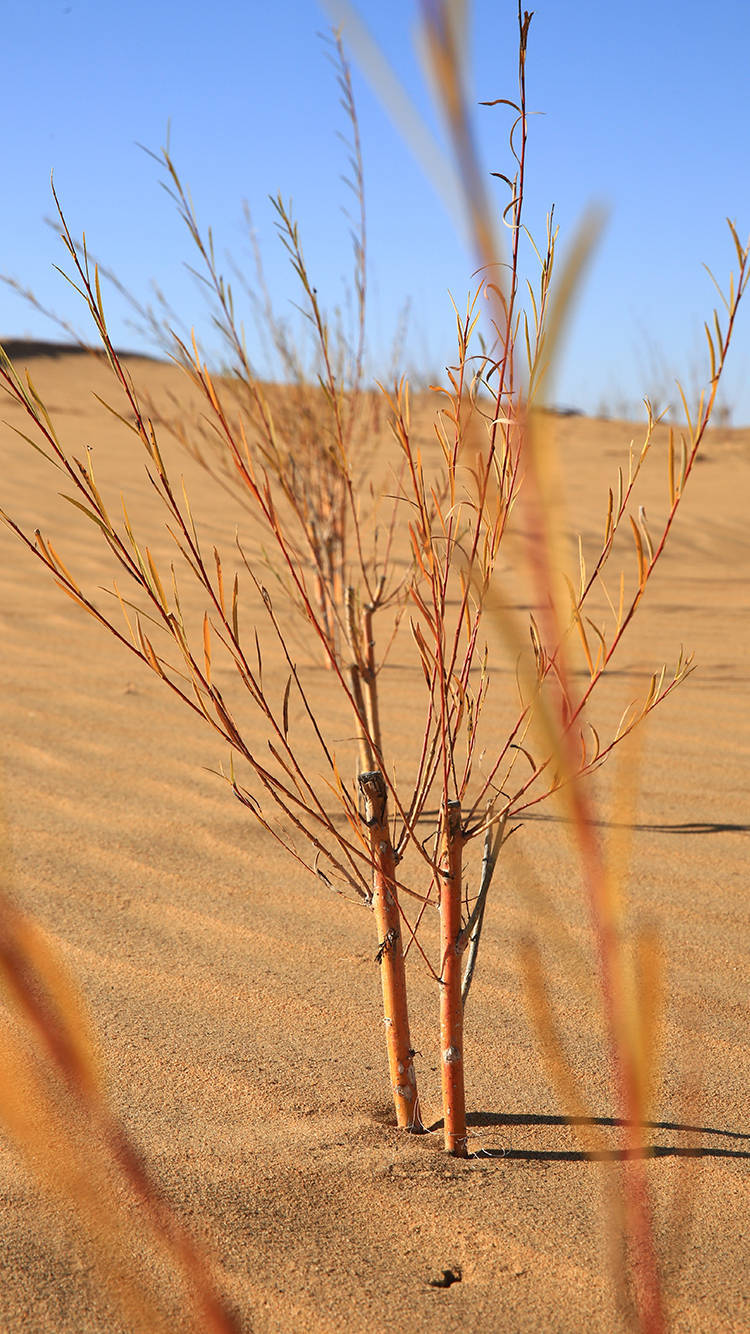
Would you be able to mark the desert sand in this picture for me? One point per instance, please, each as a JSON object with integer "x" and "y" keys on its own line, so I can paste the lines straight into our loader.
{"x": 237, "y": 1003}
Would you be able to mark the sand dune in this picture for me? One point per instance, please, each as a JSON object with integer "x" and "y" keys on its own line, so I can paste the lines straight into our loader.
{"x": 238, "y": 1004}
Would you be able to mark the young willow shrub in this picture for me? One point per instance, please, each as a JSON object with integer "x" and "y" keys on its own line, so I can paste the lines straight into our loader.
{"x": 458, "y": 515}
{"x": 292, "y": 456}
{"x": 352, "y": 819}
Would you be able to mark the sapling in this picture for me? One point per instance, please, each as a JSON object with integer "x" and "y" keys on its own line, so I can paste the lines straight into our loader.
{"x": 348, "y": 816}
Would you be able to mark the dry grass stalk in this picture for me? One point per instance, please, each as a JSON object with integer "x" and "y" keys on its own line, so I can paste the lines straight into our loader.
{"x": 54, "y": 1106}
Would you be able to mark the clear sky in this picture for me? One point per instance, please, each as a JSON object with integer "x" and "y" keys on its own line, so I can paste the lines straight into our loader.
{"x": 645, "y": 108}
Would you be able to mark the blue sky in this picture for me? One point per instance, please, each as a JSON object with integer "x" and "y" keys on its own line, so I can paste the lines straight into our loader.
{"x": 645, "y": 109}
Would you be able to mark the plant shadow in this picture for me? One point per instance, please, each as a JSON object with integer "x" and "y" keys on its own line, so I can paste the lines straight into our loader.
{"x": 613, "y": 1155}
{"x": 646, "y": 827}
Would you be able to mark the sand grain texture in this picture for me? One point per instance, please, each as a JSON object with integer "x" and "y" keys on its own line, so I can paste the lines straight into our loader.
{"x": 238, "y": 1005}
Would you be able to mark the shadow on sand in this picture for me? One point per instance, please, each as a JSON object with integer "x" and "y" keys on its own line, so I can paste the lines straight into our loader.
{"x": 674, "y": 1150}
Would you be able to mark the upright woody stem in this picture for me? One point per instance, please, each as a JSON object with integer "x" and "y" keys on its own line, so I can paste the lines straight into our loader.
{"x": 390, "y": 952}
{"x": 451, "y": 1004}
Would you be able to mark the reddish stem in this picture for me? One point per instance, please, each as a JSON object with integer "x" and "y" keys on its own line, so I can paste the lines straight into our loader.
{"x": 390, "y": 953}
{"x": 451, "y": 1006}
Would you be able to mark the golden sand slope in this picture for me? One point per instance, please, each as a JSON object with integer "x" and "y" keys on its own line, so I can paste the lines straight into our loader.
{"x": 238, "y": 1005}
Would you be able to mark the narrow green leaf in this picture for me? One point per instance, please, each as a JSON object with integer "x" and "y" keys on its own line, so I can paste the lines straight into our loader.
{"x": 711, "y": 352}
{"x": 285, "y": 708}
{"x": 85, "y": 510}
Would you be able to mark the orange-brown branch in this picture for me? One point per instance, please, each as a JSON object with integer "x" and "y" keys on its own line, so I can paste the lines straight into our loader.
{"x": 390, "y": 952}
{"x": 451, "y": 1005}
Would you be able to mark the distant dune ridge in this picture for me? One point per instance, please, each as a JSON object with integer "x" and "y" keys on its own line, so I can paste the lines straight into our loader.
{"x": 22, "y": 349}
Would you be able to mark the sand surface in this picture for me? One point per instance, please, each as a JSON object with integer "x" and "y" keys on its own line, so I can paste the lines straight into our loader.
{"x": 237, "y": 1003}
